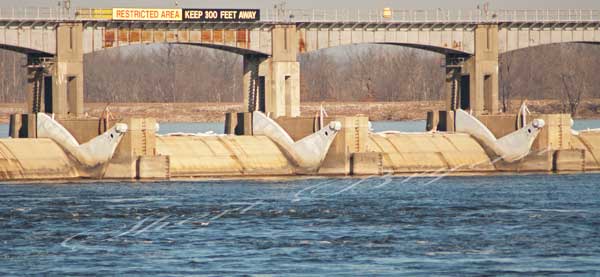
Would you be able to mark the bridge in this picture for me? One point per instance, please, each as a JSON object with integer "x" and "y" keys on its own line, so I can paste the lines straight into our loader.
{"x": 56, "y": 43}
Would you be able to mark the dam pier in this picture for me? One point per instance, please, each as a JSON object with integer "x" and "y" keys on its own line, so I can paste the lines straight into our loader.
{"x": 54, "y": 139}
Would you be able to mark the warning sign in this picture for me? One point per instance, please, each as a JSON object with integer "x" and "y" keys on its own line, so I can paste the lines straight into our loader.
{"x": 221, "y": 15}
{"x": 146, "y": 14}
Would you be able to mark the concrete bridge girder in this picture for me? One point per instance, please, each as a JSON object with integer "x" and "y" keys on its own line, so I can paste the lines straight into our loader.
{"x": 512, "y": 38}
{"x": 243, "y": 38}
{"x": 28, "y": 38}
{"x": 459, "y": 40}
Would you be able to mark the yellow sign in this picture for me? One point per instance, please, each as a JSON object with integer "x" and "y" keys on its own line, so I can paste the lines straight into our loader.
{"x": 146, "y": 14}
{"x": 93, "y": 14}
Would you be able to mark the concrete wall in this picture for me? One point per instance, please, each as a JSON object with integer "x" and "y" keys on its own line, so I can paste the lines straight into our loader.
{"x": 590, "y": 143}
{"x": 67, "y": 72}
{"x": 435, "y": 152}
{"x": 219, "y": 156}
{"x": 34, "y": 159}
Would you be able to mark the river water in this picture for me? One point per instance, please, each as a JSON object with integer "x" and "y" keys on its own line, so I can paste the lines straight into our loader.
{"x": 517, "y": 225}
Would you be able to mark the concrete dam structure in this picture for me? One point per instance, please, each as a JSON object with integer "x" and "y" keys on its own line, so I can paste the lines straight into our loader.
{"x": 56, "y": 140}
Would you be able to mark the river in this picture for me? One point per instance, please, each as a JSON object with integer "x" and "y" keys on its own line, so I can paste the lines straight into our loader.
{"x": 381, "y": 226}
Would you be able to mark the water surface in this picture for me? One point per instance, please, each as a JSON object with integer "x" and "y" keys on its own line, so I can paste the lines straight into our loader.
{"x": 521, "y": 225}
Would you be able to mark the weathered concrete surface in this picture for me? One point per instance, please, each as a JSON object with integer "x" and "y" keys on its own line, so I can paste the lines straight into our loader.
{"x": 572, "y": 160}
{"x": 218, "y": 156}
{"x": 67, "y": 71}
{"x": 34, "y": 159}
{"x": 590, "y": 142}
{"x": 154, "y": 167}
{"x": 368, "y": 163}
{"x": 140, "y": 140}
{"x": 430, "y": 152}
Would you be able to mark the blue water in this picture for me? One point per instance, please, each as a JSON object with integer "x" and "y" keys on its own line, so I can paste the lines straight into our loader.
{"x": 520, "y": 225}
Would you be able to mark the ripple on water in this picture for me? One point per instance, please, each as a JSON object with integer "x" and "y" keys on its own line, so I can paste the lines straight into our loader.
{"x": 524, "y": 225}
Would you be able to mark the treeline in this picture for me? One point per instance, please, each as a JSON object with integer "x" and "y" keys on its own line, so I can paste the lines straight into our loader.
{"x": 13, "y": 76}
{"x": 566, "y": 72}
{"x": 371, "y": 73}
{"x": 181, "y": 73}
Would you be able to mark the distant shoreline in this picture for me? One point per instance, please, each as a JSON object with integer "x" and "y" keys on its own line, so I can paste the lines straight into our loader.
{"x": 377, "y": 111}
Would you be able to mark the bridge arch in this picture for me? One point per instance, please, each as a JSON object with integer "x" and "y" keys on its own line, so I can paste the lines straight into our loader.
{"x": 512, "y": 38}
{"x": 28, "y": 36}
{"x": 425, "y": 47}
{"x": 441, "y": 38}
{"x": 226, "y": 48}
{"x": 549, "y": 44}
{"x": 25, "y": 50}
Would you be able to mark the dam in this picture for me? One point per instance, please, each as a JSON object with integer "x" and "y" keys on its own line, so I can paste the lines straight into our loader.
{"x": 56, "y": 140}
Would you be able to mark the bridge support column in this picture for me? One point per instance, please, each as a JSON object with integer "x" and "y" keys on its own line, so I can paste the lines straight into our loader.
{"x": 38, "y": 84}
{"x": 472, "y": 82}
{"x": 67, "y": 72}
{"x": 272, "y": 84}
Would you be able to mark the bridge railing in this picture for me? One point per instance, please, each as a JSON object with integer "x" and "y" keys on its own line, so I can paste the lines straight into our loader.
{"x": 353, "y": 15}
{"x": 35, "y": 13}
{"x": 430, "y": 16}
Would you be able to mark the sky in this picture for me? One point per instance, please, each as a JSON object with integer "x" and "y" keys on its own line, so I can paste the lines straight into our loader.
{"x": 318, "y": 4}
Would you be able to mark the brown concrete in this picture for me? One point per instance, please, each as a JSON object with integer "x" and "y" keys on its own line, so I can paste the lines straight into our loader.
{"x": 368, "y": 163}
{"x": 154, "y": 167}
{"x": 572, "y": 160}
{"x": 590, "y": 142}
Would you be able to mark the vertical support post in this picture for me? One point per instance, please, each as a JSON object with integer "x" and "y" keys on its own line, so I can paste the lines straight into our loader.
{"x": 483, "y": 69}
{"x": 453, "y": 74}
{"x": 254, "y": 82}
{"x": 272, "y": 84}
{"x": 283, "y": 96}
{"x": 35, "y": 87}
{"x": 474, "y": 84}
{"x": 67, "y": 72}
